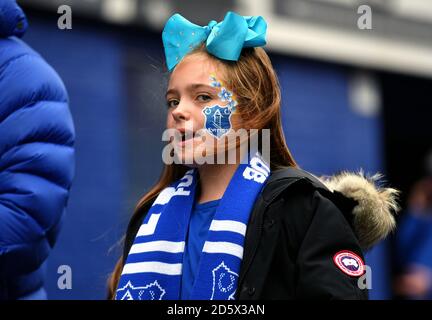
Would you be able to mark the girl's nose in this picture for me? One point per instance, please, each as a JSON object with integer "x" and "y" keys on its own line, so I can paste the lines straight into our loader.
{"x": 181, "y": 112}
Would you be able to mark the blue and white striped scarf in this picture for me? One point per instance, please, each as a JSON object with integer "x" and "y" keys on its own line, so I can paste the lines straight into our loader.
{"x": 153, "y": 267}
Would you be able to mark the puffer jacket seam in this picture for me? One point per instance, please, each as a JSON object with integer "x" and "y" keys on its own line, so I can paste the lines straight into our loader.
{"x": 12, "y": 60}
{"x": 6, "y": 168}
{"x": 41, "y": 238}
{"x": 31, "y": 104}
{"x": 66, "y": 188}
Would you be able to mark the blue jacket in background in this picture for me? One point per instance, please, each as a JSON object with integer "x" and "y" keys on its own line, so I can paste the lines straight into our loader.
{"x": 36, "y": 159}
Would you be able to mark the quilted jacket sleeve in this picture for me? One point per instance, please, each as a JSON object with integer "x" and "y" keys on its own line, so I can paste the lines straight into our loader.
{"x": 36, "y": 157}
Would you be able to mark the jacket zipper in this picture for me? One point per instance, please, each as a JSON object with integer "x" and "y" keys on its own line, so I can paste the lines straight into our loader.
{"x": 258, "y": 230}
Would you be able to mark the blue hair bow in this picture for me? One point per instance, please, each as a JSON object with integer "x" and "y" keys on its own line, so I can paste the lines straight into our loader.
{"x": 224, "y": 40}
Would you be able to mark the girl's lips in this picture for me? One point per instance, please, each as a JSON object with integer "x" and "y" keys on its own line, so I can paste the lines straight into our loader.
{"x": 182, "y": 143}
{"x": 190, "y": 135}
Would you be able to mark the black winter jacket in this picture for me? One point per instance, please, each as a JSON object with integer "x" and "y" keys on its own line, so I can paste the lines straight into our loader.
{"x": 297, "y": 226}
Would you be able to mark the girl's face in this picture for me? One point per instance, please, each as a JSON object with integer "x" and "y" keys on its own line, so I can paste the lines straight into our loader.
{"x": 189, "y": 92}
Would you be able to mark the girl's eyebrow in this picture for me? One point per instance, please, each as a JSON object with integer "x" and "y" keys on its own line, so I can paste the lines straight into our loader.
{"x": 199, "y": 86}
{"x": 170, "y": 91}
{"x": 191, "y": 87}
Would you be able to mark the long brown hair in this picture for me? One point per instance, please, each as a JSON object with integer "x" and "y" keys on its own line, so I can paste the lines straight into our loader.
{"x": 256, "y": 88}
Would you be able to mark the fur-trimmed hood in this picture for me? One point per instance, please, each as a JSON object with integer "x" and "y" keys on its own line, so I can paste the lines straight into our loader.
{"x": 373, "y": 215}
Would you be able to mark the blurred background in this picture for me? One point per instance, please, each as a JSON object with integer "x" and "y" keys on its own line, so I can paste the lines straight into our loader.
{"x": 352, "y": 98}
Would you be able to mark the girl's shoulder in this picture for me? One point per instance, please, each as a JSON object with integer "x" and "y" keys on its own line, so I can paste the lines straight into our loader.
{"x": 368, "y": 207}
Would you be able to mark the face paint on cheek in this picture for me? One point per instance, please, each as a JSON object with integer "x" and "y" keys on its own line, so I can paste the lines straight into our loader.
{"x": 218, "y": 118}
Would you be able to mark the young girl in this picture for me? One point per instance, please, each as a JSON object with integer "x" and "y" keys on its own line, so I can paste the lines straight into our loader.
{"x": 257, "y": 227}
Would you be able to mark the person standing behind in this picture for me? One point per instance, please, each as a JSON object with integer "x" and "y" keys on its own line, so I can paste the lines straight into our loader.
{"x": 36, "y": 159}
{"x": 413, "y": 245}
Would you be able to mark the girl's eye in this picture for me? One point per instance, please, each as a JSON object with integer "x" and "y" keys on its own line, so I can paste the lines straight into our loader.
{"x": 204, "y": 98}
{"x": 172, "y": 103}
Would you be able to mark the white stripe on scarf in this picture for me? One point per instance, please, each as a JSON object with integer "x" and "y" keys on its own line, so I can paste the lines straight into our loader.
{"x": 171, "y": 269}
{"x": 164, "y": 246}
{"x": 223, "y": 247}
{"x": 228, "y": 225}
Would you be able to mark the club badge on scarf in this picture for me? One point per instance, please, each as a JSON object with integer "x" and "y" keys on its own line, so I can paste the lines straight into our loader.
{"x": 153, "y": 267}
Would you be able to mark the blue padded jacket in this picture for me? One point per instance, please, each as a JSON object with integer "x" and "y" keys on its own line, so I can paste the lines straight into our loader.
{"x": 36, "y": 159}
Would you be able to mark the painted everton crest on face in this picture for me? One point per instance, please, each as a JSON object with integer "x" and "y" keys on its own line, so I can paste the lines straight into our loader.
{"x": 218, "y": 118}
{"x": 349, "y": 263}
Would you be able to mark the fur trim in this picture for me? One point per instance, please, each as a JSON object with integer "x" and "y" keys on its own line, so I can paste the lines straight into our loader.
{"x": 373, "y": 215}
